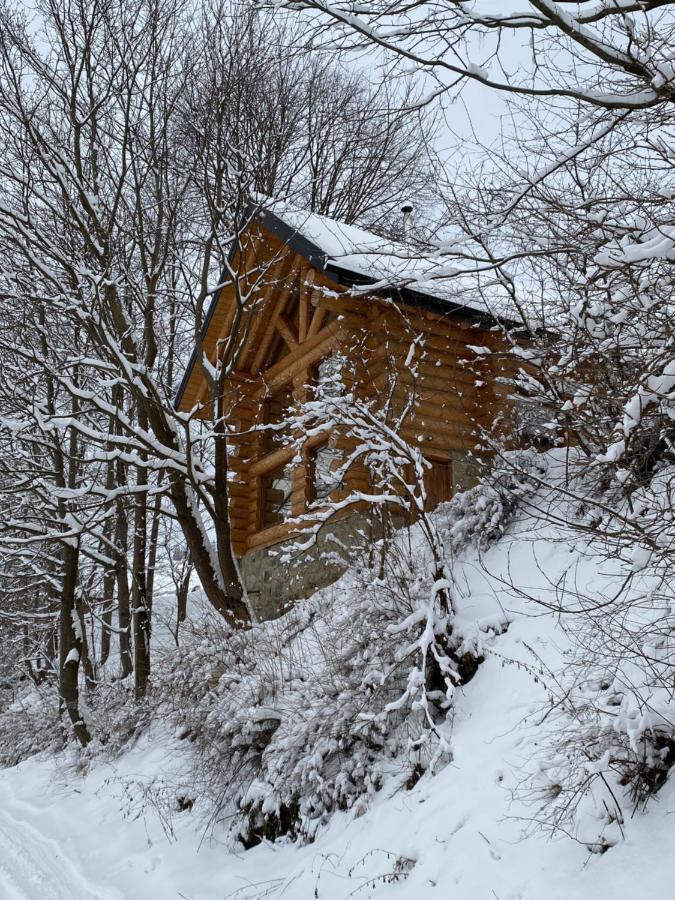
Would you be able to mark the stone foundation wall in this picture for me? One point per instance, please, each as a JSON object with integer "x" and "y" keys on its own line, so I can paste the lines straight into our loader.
{"x": 274, "y": 585}
{"x": 465, "y": 472}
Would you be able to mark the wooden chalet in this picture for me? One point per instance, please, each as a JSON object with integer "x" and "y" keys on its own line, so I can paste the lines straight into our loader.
{"x": 309, "y": 289}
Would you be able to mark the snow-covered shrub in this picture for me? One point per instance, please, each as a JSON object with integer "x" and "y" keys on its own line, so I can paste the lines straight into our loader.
{"x": 30, "y": 725}
{"x": 610, "y": 747}
{"x": 310, "y": 713}
{"x": 611, "y": 713}
{"x": 480, "y": 515}
{"x": 114, "y": 717}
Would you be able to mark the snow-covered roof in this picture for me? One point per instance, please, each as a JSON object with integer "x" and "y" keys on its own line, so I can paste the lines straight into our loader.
{"x": 385, "y": 264}
{"x": 368, "y": 264}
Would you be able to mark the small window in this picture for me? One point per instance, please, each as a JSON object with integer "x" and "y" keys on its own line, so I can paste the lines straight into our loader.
{"x": 276, "y": 496}
{"x": 327, "y": 477}
{"x": 328, "y": 378}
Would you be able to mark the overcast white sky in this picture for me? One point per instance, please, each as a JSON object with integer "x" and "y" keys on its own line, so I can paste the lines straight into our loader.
{"x": 476, "y": 112}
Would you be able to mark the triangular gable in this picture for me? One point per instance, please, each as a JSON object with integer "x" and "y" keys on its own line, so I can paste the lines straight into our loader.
{"x": 277, "y": 317}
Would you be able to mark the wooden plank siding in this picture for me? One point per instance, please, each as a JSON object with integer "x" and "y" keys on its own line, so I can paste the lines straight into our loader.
{"x": 301, "y": 317}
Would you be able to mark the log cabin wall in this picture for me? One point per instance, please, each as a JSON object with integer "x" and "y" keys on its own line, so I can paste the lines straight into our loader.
{"x": 452, "y": 368}
{"x": 300, "y": 316}
{"x": 294, "y": 331}
{"x": 456, "y": 389}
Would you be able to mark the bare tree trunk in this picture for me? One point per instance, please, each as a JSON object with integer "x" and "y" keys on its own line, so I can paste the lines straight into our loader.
{"x": 222, "y": 588}
{"x": 182, "y": 598}
{"x": 107, "y": 611}
{"x": 52, "y": 649}
{"x": 86, "y": 660}
{"x": 140, "y": 608}
{"x": 70, "y": 646}
{"x": 139, "y": 593}
{"x": 120, "y": 572}
{"x": 108, "y": 589}
{"x": 123, "y": 600}
{"x": 226, "y": 560}
{"x": 152, "y": 548}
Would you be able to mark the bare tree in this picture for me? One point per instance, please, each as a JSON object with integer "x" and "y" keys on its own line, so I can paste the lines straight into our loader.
{"x": 136, "y": 134}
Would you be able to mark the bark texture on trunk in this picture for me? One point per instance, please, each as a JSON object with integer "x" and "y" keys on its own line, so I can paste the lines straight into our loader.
{"x": 70, "y": 646}
{"x": 86, "y": 660}
{"x": 123, "y": 599}
{"x": 108, "y": 587}
{"x": 140, "y": 602}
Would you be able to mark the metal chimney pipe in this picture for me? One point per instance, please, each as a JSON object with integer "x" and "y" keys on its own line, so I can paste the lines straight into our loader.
{"x": 407, "y": 210}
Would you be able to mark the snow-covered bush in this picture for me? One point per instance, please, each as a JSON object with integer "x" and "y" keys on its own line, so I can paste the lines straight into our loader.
{"x": 310, "y": 713}
{"x": 610, "y": 717}
{"x": 30, "y": 724}
{"x": 33, "y": 722}
{"x": 481, "y": 515}
{"x": 610, "y": 747}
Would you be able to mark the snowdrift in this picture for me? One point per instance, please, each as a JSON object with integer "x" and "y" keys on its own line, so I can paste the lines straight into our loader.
{"x": 524, "y": 793}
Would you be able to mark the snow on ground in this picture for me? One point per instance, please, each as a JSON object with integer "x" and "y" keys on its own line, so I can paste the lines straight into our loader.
{"x": 460, "y": 835}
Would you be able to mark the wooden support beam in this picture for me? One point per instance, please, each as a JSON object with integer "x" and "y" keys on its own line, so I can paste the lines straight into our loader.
{"x": 278, "y": 458}
{"x": 285, "y": 329}
{"x": 341, "y": 304}
{"x": 306, "y": 356}
{"x": 277, "y": 533}
{"x": 270, "y": 327}
{"x": 271, "y": 535}
{"x": 305, "y": 310}
{"x": 271, "y": 461}
{"x": 318, "y": 319}
{"x": 226, "y": 305}
{"x": 277, "y": 276}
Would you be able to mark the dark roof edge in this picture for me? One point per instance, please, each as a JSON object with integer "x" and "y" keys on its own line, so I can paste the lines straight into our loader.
{"x": 347, "y": 278}
{"x": 412, "y": 297}
{"x": 314, "y": 255}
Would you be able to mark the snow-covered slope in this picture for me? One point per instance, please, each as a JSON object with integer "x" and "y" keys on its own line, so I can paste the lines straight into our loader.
{"x": 465, "y": 834}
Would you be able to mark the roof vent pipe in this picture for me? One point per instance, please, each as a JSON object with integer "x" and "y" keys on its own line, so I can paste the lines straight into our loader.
{"x": 407, "y": 210}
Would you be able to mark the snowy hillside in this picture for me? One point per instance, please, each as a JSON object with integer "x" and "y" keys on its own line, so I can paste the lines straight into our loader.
{"x": 450, "y": 308}
{"x": 475, "y": 830}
